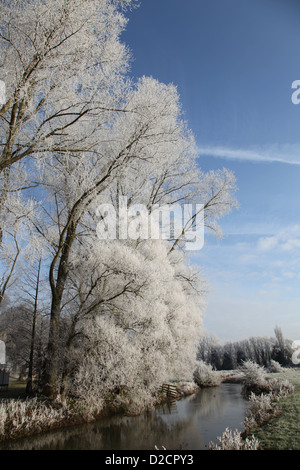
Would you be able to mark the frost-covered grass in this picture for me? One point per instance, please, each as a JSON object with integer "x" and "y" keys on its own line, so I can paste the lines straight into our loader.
{"x": 23, "y": 417}
{"x": 20, "y": 418}
{"x": 264, "y": 406}
{"x": 232, "y": 440}
{"x": 261, "y": 409}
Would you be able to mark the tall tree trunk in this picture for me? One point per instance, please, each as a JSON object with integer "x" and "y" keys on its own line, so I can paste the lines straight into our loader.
{"x": 30, "y": 368}
{"x": 51, "y": 380}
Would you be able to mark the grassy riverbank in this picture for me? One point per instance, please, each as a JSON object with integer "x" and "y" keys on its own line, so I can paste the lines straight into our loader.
{"x": 283, "y": 431}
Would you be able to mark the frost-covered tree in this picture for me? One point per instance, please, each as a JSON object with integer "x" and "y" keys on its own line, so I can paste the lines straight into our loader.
{"x": 143, "y": 326}
{"x": 132, "y": 151}
{"x": 61, "y": 63}
{"x": 15, "y": 227}
{"x": 124, "y": 312}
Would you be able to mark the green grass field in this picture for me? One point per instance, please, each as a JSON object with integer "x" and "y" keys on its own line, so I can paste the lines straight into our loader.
{"x": 283, "y": 431}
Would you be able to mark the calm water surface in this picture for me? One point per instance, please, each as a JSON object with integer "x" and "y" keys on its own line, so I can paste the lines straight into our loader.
{"x": 191, "y": 423}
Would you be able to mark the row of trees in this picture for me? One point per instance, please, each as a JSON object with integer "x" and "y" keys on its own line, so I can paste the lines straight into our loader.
{"x": 77, "y": 133}
{"x": 260, "y": 350}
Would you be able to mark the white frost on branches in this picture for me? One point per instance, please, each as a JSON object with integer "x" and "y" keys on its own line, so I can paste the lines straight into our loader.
{"x": 76, "y": 132}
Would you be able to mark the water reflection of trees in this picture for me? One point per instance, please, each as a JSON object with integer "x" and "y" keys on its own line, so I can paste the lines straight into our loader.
{"x": 174, "y": 426}
{"x": 117, "y": 433}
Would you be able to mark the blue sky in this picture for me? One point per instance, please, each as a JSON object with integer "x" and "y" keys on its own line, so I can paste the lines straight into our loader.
{"x": 234, "y": 62}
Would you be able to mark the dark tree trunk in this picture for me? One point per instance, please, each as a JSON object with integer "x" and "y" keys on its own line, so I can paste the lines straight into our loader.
{"x": 51, "y": 380}
{"x": 31, "y": 356}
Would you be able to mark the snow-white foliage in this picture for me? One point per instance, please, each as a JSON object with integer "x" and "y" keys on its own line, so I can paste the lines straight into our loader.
{"x": 62, "y": 64}
{"x": 280, "y": 388}
{"x": 21, "y": 417}
{"x": 143, "y": 330}
{"x": 205, "y": 376}
{"x": 263, "y": 406}
{"x": 55, "y": 57}
{"x": 260, "y": 409}
{"x": 275, "y": 367}
{"x": 256, "y": 380}
{"x": 254, "y": 374}
{"x": 232, "y": 440}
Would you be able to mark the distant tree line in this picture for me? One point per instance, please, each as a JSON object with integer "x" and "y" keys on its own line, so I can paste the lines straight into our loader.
{"x": 261, "y": 350}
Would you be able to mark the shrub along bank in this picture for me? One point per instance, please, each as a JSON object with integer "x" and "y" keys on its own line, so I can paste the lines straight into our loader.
{"x": 282, "y": 432}
{"x": 267, "y": 421}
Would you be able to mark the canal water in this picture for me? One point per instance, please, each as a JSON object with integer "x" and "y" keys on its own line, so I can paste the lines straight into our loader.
{"x": 188, "y": 424}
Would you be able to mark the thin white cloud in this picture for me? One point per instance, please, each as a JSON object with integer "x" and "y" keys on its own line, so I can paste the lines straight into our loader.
{"x": 286, "y": 240}
{"x": 267, "y": 243}
{"x": 288, "y": 153}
